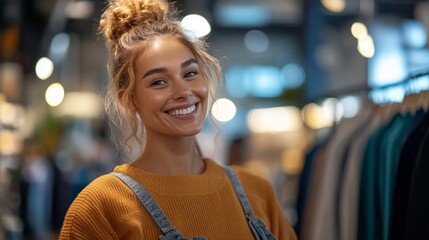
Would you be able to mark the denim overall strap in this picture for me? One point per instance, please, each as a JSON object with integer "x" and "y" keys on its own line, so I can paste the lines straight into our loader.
{"x": 167, "y": 229}
{"x": 148, "y": 202}
{"x": 258, "y": 228}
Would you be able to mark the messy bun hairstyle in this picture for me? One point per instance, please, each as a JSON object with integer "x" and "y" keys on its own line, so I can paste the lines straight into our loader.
{"x": 128, "y": 26}
{"x": 122, "y": 16}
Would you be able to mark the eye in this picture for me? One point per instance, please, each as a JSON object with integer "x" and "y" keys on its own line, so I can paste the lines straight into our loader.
{"x": 158, "y": 82}
{"x": 191, "y": 74}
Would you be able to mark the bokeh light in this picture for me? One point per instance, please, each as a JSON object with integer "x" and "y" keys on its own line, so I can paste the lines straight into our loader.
{"x": 44, "y": 68}
{"x": 224, "y": 110}
{"x": 54, "y": 94}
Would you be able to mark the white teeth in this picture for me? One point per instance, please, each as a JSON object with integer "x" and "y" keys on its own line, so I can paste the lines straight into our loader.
{"x": 182, "y": 111}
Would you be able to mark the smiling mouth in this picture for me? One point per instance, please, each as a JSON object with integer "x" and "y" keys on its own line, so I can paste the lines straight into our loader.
{"x": 183, "y": 111}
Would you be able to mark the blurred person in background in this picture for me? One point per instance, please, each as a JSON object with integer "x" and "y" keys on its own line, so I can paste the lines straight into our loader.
{"x": 236, "y": 151}
{"x": 36, "y": 183}
{"x": 162, "y": 85}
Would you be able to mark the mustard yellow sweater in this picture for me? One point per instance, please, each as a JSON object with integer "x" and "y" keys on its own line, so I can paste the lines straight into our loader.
{"x": 197, "y": 205}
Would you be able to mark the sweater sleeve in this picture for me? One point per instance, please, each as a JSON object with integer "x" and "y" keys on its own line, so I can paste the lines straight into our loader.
{"x": 280, "y": 225}
{"x": 86, "y": 219}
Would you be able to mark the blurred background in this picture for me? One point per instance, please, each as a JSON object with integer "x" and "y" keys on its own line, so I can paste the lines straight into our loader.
{"x": 299, "y": 75}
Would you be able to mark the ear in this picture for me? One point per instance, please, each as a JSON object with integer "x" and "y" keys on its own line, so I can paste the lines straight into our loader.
{"x": 127, "y": 100}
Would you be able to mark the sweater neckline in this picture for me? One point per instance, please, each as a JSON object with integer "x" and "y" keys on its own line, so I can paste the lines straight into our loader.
{"x": 209, "y": 181}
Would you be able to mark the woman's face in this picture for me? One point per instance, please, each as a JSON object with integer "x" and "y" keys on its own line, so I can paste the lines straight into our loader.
{"x": 170, "y": 91}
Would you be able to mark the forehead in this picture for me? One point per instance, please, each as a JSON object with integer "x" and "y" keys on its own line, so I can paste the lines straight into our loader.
{"x": 165, "y": 49}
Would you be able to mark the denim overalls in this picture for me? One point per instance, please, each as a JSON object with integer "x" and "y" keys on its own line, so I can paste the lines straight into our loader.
{"x": 170, "y": 233}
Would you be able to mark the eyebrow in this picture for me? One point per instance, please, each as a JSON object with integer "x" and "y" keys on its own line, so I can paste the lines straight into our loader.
{"x": 189, "y": 62}
{"x": 164, "y": 70}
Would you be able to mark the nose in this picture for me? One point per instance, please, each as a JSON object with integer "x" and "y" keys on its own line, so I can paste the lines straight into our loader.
{"x": 182, "y": 89}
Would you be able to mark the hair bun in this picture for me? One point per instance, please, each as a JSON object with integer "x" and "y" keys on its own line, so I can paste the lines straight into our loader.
{"x": 122, "y": 15}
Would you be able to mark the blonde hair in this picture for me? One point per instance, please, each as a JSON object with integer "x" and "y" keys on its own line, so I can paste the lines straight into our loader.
{"x": 128, "y": 26}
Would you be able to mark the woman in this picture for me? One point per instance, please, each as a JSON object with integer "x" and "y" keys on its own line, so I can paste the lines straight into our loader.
{"x": 159, "y": 97}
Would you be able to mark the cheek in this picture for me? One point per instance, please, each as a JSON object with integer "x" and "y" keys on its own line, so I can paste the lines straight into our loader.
{"x": 146, "y": 103}
{"x": 203, "y": 90}
{"x": 204, "y": 95}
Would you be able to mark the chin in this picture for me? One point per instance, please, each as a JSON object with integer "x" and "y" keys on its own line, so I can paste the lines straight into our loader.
{"x": 191, "y": 130}
{"x": 191, "y": 133}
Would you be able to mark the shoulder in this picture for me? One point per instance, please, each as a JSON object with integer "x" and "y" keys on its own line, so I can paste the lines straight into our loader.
{"x": 96, "y": 197}
{"x": 94, "y": 208}
{"x": 255, "y": 186}
{"x": 248, "y": 177}
{"x": 101, "y": 189}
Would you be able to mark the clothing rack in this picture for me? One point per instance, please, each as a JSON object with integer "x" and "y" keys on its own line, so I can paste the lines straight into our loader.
{"x": 368, "y": 180}
{"x": 366, "y": 89}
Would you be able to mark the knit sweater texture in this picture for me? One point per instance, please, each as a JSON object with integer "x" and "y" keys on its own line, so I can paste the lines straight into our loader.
{"x": 197, "y": 205}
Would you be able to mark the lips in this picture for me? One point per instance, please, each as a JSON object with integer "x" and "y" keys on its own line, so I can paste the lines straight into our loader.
{"x": 182, "y": 111}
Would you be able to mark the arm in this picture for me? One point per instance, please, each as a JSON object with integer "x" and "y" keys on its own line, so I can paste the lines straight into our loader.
{"x": 280, "y": 226}
{"x": 85, "y": 219}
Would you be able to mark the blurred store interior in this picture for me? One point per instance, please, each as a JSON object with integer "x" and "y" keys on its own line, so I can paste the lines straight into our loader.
{"x": 295, "y": 71}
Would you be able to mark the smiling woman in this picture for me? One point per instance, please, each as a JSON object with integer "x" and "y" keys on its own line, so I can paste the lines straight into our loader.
{"x": 162, "y": 85}
{"x": 174, "y": 84}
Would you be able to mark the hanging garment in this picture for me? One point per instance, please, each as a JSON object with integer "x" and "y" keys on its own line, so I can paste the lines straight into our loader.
{"x": 349, "y": 190}
{"x": 367, "y": 228}
{"x": 313, "y": 186}
{"x": 343, "y": 163}
{"x": 304, "y": 181}
{"x": 418, "y": 208}
{"x": 378, "y": 175}
{"x": 406, "y": 165}
{"x": 321, "y": 218}
{"x": 391, "y": 144}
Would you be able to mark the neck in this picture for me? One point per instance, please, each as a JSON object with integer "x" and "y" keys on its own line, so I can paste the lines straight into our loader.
{"x": 170, "y": 156}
